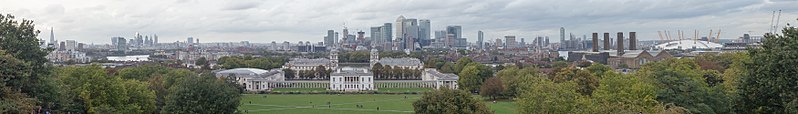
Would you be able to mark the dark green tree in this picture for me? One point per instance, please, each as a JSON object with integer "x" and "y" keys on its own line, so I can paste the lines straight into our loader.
{"x": 770, "y": 86}
{"x": 202, "y": 94}
{"x": 19, "y": 39}
{"x": 449, "y": 101}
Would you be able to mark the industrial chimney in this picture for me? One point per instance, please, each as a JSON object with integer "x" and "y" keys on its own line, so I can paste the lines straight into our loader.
{"x": 620, "y": 43}
{"x": 595, "y": 42}
{"x": 607, "y": 41}
{"x": 632, "y": 41}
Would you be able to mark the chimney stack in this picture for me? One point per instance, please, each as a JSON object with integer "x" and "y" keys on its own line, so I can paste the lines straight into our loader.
{"x": 607, "y": 41}
{"x": 620, "y": 43}
{"x": 595, "y": 42}
{"x": 632, "y": 41}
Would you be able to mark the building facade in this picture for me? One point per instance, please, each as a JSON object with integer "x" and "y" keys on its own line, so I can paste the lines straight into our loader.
{"x": 352, "y": 79}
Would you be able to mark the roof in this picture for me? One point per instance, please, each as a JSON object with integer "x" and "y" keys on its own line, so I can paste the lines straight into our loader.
{"x": 309, "y": 62}
{"x": 442, "y": 76}
{"x": 688, "y": 44}
{"x": 244, "y": 71}
{"x": 401, "y": 61}
{"x": 350, "y": 71}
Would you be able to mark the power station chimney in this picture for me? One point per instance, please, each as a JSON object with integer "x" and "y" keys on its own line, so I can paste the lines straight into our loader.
{"x": 595, "y": 42}
{"x": 632, "y": 41}
{"x": 620, "y": 43}
{"x": 607, "y": 41}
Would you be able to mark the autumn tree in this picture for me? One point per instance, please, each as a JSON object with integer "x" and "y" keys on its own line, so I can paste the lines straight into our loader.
{"x": 492, "y": 87}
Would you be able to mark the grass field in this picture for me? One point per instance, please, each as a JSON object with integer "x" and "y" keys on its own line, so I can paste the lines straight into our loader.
{"x": 340, "y": 104}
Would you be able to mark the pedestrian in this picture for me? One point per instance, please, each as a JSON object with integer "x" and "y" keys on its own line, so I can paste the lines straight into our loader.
{"x": 378, "y": 108}
{"x": 250, "y": 102}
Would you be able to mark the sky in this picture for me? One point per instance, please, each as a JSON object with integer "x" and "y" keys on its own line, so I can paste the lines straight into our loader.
{"x": 263, "y": 21}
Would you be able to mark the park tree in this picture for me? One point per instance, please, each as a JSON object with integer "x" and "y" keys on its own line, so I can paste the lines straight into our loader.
{"x": 203, "y": 63}
{"x": 12, "y": 100}
{"x": 469, "y": 79}
{"x": 320, "y": 72}
{"x": 449, "y": 101}
{"x": 681, "y": 82}
{"x": 87, "y": 89}
{"x": 202, "y": 94}
{"x": 542, "y": 95}
{"x": 492, "y": 87}
{"x": 289, "y": 74}
{"x": 461, "y": 64}
{"x": 620, "y": 93}
{"x": 377, "y": 69}
{"x": 142, "y": 72}
{"x": 448, "y": 67}
{"x": 598, "y": 69}
{"x": 770, "y": 86}
{"x": 586, "y": 82}
{"x": 19, "y": 40}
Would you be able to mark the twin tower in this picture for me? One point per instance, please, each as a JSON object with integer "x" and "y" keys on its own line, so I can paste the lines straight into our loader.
{"x": 619, "y": 40}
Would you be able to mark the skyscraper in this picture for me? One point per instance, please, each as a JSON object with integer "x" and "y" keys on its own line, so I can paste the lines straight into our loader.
{"x": 387, "y": 31}
{"x": 563, "y": 43}
{"x": 52, "y": 37}
{"x": 156, "y": 39}
{"x": 456, "y": 30}
{"x": 480, "y": 39}
{"x": 424, "y": 32}
{"x": 329, "y": 40}
{"x": 399, "y": 27}
{"x": 376, "y": 35}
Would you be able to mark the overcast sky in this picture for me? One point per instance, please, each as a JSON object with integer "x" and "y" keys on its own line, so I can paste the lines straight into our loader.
{"x": 96, "y": 21}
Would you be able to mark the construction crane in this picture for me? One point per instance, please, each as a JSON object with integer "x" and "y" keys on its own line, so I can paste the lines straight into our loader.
{"x": 709, "y": 37}
{"x": 772, "y": 16}
{"x": 775, "y": 28}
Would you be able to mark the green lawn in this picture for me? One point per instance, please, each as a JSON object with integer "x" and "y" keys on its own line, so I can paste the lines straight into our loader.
{"x": 404, "y": 89}
{"x": 299, "y": 89}
{"x": 340, "y": 104}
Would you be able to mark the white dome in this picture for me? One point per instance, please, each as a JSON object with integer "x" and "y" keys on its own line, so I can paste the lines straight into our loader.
{"x": 688, "y": 44}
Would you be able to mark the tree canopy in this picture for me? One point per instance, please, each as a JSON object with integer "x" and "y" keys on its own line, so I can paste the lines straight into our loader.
{"x": 449, "y": 101}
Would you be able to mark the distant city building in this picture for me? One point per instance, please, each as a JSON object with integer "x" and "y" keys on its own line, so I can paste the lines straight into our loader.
{"x": 71, "y": 45}
{"x": 480, "y": 39}
{"x": 190, "y": 40}
{"x": 329, "y": 40}
{"x": 510, "y": 42}
{"x": 456, "y": 30}
{"x": 562, "y": 37}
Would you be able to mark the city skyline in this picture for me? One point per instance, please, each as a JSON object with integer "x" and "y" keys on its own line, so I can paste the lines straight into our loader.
{"x": 95, "y": 22}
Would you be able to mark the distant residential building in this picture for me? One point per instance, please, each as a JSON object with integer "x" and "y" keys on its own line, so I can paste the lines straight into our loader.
{"x": 329, "y": 40}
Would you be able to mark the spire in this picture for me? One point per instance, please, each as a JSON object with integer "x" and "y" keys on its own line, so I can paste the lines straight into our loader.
{"x": 52, "y": 37}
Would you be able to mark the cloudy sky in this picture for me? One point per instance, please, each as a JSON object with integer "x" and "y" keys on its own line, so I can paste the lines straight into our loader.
{"x": 96, "y": 21}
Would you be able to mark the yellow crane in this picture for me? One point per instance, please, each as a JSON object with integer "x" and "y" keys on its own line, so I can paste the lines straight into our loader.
{"x": 709, "y": 37}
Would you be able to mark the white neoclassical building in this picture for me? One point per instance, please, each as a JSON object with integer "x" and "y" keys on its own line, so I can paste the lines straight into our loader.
{"x": 441, "y": 79}
{"x": 253, "y": 79}
{"x": 352, "y": 79}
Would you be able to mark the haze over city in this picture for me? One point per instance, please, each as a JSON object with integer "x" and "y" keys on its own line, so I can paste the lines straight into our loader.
{"x": 96, "y": 21}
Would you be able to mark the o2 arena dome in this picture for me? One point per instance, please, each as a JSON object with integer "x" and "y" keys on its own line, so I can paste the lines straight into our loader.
{"x": 689, "y": 44}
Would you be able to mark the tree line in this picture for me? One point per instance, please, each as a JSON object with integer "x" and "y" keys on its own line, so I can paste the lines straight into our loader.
{"x": 30, "y": 85}
{"x": 388, "y": 72}
{"x": 761, "y": 80}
